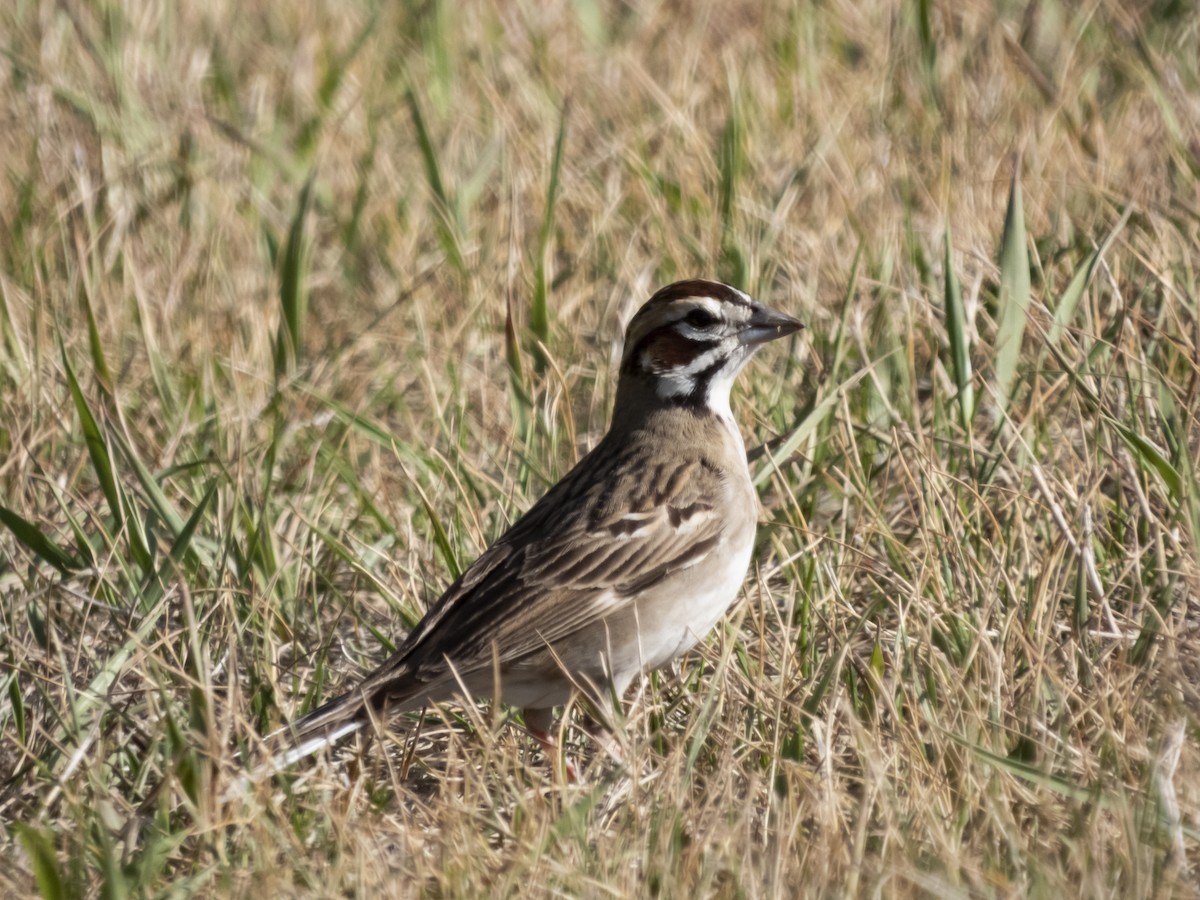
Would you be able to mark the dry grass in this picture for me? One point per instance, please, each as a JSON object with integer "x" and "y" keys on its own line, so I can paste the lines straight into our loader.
{"x": 968, "y": 662}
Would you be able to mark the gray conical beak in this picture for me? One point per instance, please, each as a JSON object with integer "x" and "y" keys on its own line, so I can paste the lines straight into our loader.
{"x": 767, "y": 324}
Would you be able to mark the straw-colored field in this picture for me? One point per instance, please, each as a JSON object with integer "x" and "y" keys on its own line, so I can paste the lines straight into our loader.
{"x": 301, "y": 304}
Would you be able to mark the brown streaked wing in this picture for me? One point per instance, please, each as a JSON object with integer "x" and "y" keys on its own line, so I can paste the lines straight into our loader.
{"x": 545, "y": 580}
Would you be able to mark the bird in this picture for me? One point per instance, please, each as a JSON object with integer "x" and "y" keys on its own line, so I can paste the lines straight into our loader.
{"x": 624, "y": 565}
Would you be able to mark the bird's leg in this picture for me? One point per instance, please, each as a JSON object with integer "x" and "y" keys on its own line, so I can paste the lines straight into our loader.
{"x": 540, "y": 724}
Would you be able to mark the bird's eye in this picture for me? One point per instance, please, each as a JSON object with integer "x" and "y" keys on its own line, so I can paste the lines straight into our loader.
{"x": 701, "y": 318}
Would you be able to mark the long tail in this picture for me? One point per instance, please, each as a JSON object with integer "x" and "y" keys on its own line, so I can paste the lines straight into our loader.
{"x": 321, "y": 728}
{"x": 324, "y": 726}
{"x": 333, "y": 720}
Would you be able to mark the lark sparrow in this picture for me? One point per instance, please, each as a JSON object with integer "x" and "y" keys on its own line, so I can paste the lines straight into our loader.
{"x": 624, "y": 565}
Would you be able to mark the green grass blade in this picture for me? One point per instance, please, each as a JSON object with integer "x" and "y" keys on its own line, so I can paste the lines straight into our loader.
{"x": 29, "y": 535}
{"x": 293, "y": 291}
{"x": 260, "y": 545}
{"x": 925, "y": 36}
{"x": 539, "y": 314}
{"x": 1064, "y": 311}
{"x": 85, "y": 547}
{"x": 848, "y": 305}
{"x": 345, "y": 470}
{"x": 183, "y": 538}
{"x": 17, "y": 705}
{"x": 833, "y": 664}
{"x": 113, "y": 886}
{"x": 447, "y": 226}
{"x": 96, "y": 445}
{"x": 441, "y": 539}
{"x": 95, "y": 696}
{"x": 433, "y": 173}
{"x": 153, "y": 493}
{"x": 1013, "y": 302}
{"x": 40, "y": 849}
{"x": 960, "y": 342}
{"x": 1029, "y": 773}
{"x": 805, "y": 429}
{"x": 521, "y": 401}
{"x": 592, "y": 16}
{"x": 378, "y": 435}
{"x": 1151, "y": 459}
{"x": 730, "y": 163}
{"x": 512, "y": 345}
{"x": 730, "y": 160}
{"x": 350, "y": 231}
{"x": 99, "y": 362}
{"x": 102, "y": 465}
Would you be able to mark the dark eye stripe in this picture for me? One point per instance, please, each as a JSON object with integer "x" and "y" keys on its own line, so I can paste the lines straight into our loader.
{"x": 701, "y": 318}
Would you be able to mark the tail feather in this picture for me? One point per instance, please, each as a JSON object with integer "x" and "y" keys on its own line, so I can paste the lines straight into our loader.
{"x": 314, "y": 742}
{"x": 319, "y": 728}
{"x": 326, "y": 725}
{"x": 311, "y": 733}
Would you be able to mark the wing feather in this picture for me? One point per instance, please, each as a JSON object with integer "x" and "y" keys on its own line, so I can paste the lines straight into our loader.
{"x": 585, "y": 550}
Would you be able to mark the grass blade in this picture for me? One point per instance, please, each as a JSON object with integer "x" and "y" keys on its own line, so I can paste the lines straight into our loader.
{"x": 1151, "y": 459}
{"x": 98, "y": 450}
{"x": 1013, "y": 302}
{"x": 730, "y": 162}
{"x": 1064, "y": 311}
{"x": 925, "y": 37}
{"x": 293, "y": 293}
{"x": 17, "y": 704}
{"x": 447, "y": 226}
{"x": 521, "y": 402}
{"x": 440, "y": 538}
{"x": 539, "y": 314}
{"x": 40, "y": 849}
{"x": 96, "y": 445}
{"x": 804, "y": 430}
{"x": 183, "y": 538}
{"x": 960, "y": 343}
{"x": 99, "y": 362}
{"x": 154, "y": 494}
{"x": 29, "y": 535}
{"x": 848, "y": 306}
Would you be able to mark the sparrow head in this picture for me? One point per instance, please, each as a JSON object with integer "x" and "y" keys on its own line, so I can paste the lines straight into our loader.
{"x": 690, "y": 340}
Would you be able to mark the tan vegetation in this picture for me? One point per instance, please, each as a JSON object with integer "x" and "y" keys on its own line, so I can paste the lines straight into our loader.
{"x": 299, "y": 306}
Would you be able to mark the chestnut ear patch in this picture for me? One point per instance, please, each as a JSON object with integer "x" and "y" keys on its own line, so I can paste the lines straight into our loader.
{"x": 668, "y": 349}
